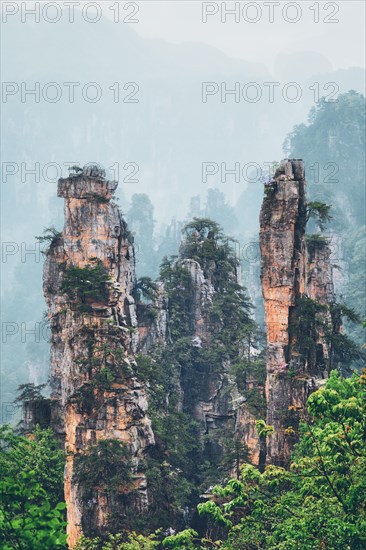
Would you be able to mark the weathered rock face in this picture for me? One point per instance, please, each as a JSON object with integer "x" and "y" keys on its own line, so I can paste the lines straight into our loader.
{"x": 221, "y": 410}
{"x": 95, "y": 394}
{"x": 291, "y": 271}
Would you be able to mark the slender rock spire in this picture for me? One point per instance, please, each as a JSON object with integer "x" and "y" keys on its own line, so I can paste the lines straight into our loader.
{"x": 89, "y": 277}
{"x": 293, "y": 274}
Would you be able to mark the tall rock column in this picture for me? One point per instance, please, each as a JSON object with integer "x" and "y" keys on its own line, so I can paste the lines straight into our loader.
{"x": 89, "y": 277}
{"x": 221, "y": 409}
{"x": 292, "y": 274}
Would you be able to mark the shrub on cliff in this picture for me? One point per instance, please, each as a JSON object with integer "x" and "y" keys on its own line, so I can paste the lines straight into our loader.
{"x": 83, "y": 284}
{"x": 106, "y": 464}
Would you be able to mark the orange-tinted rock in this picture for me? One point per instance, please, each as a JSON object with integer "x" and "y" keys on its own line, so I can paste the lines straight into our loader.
{"x": 289, "y": 271}
{"x": 85, "y": 342}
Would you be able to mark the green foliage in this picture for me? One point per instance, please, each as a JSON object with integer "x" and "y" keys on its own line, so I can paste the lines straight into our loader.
{"x": 27, "y": 519}
{"x": 250, "y": 376}
{"x": 202, "y": 227}
{"x": 104, "y": 470}
{"x": 319, "y": 502}
{"x": 30, "y": 392}
{"x": 234, "y": 453}
{"x": 145, "y": 293}
{"x": 145, "y": 288}
{"x": 342, "y": 351}
{"x": 184, "y": 463}
{"x": 311, "y": 322}
{"x": 214, "y": 512}
{"x": 319, "y": 211}
{"x": 40, "y": 455}
{"x": 341, "y": 311}
{"x": 333, "y": 148}
{"x": 205, "y": 242}
{"x": 314, "y": 319}
{"x": 84, "y": 284}
{"x": 171, "y": 466}
{"x": 180, "y": 289}
{"x": 182, "y": 541}
{"x": 35, "y": 407}
{"x": 50, "y": 236}
{"x": 250, "y": 371}
{"x": 126, "y": 541}
{"x": 229, "y": 314}
{"x": 316, "y": 239}
{"x": 354, "y": 292}
{"x": 263, "y": 429}
{"x": 85, "y": 398}
{"x": 104, "y": 379}
{"x": 256, "y": 402}
{"x": 31, "y": 491}
{"x": 105, "y": 464}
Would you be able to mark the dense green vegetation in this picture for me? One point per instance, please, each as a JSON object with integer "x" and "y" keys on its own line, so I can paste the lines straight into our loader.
{"x": 145, "y": 294}
{"x": 318, "y": 503}
{"x": 186, "y": 539}
{"x": 183, "y": 464}
{"x": 354, "y": 291}
{"x": 31, "y": 491}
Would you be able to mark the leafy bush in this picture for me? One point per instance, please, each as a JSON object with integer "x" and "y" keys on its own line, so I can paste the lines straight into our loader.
{"x": 181, "y": 541}
{"x": 40, "y": 455}
{"x": 31, "y": 491}
{"x": 27, "y": 519}
{"x": 126, "y": 541}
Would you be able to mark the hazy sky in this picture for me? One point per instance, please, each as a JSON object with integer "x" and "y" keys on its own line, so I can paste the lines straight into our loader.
{"x": 341, "y": 43}
{"x": 263, "y": 33}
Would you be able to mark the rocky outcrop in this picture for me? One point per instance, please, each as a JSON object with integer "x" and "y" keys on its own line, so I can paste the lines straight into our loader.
{"x": 294, "y": 274}
{"x": 221, "y": 409}
{"x": 89, "y": 277}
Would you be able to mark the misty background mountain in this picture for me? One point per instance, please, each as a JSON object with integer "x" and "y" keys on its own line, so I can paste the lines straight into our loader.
{"x": 168, "y": 133}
